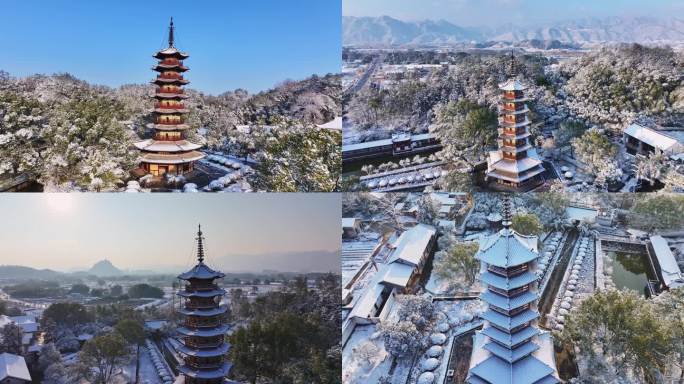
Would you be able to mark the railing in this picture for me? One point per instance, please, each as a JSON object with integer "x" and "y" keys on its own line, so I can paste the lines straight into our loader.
{"x": 508, "y": 272}
{"x": 201, "y": 324}
{"x": 207, "y": 344}
{"x": 511, "y": 293}
{"x": 171, "y": 62}
{"x": 517, "y": 108}
{"x": 200, "y": 305}
{"x": 193, "y": 288}
{"x": 174, "y": 76}
{"x": 167, "y": 106}
{"x": 204, "y": 365}
{"x": 177, "y": 92}
{"x": 170, "y": 122}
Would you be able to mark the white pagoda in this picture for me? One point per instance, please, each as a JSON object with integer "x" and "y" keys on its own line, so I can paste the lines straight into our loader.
{"x": 510, "y": 349}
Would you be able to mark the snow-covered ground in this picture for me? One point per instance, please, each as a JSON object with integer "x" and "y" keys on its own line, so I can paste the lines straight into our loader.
{"x": 148, "y": 373}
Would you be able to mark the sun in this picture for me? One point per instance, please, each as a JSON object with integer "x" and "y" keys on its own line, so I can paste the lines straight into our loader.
{"x": 59, "y": 202}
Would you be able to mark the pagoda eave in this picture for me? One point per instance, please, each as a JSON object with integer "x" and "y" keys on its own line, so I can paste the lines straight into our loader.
{"x": 169, "y": 111}
{"x": 155, "y": 158}
{"x": 204, "y": 352}
{"x": 503, "y": 111}
{"x": 205, "y": 373}
{"x": 221, "y": 330}
{"x": 168, "y": 127}
{"x": 165, "y": 67}
{"x": 162, "y": 81}
{"x": 203, "y": 312}
{"x": 212, "y": 293}
{"x": 166, "y": 54}
{"x": 170, "y": 95}
{"x": 519, "y": 179}
{"x": 166, "y": 146}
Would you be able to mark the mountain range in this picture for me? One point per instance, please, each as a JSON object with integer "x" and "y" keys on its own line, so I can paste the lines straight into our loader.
{"x": 385, "y": 31}
{"x": 285, "y": 262}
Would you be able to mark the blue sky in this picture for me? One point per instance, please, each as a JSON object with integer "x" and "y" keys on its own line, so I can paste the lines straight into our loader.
{"x": 73, "y": 230}
{"x": 518, "y": 12}
{"x": 252, "y": 44}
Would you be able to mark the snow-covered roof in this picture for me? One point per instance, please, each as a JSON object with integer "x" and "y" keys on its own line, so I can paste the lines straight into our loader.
{"x": 366, "y": 303}
{"x": 335, "y": 124}
{"x": 349, "y": 222}
{"x": 155, "y": 324}
{"x": 179, "y": 158}
{"x": 443, "y": 198}
{"x": 507, "y": 249}
{"x": 166, "y": 146}
{"x": 411, "y": 244}
{"x": 366, "y": 145}
{"x": 171, "y": 51}
{"x": 13, "y": 366}
{"x": 398, "y": 274}
{"x": 201, "y": 271}
{"x": 652, "y": 137}
{"x": 492, "y": 369}
{"x": 672, "y": 275}
{"x": 512, "y": 85}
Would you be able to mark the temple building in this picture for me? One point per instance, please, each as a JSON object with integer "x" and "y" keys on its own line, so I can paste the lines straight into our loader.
{"x": 510, "y": 349}
{"x": 515, "y": 165}
{"x": 169, "y": 151}
{"x": 202, "y": 331}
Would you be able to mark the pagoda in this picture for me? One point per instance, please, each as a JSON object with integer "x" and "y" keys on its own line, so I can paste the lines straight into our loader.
{"x": 510, "y": 349}
{"x": 515, "y": 165}
{"x": 202, "y": 332}
{"x": 169, "y": 151}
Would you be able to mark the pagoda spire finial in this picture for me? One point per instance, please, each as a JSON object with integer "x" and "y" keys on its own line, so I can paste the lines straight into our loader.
{"x": 506, "y": 221}
{"x": 200, "y": 245}
{"x": 512, "y": 69}
{"x": 171, "y": 33}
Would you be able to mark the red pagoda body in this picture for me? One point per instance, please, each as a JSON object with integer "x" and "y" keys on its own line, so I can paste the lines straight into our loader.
{"x": 169, "y": 151}
{"x": 202, "y": 331}
{"x": 515, "y": 165}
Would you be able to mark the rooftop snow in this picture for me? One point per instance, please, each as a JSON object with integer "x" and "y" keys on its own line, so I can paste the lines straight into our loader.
{"x": 652, "y": 137}
{"x": 336, "y": 124}
{"x": 512, "y": 85}
{"x": 13, "y": 366}
{"x": 410, "y": 246}
{"x": 672, "y": 275}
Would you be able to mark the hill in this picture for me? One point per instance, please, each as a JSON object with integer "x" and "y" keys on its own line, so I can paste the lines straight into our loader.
{"x": 105, "y": 268}
{"x": 387, "y": 31}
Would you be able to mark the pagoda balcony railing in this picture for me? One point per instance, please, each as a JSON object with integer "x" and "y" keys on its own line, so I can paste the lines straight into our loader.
{"x": 192, "y": 323}
{"x": 195, "y": 288}
{"x": 508, "y": 272}
{"x": 177, "y": 92}
{"x": 170, "y": 122}
{"x": 206, "y": 344}
{"x": 166, "y": 106}
{"x": 162, "y": 137}
{"x": 511, "y": 293}
{"x": 174, "y": 76}
{"x": 191, "y": 305}
{"x": 171, "y": 62}
{"x": 517, "y": 108}
{"x": 195, "y": 365}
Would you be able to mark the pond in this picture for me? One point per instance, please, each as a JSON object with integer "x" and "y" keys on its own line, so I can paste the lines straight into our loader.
{"x": 631, "y": 270}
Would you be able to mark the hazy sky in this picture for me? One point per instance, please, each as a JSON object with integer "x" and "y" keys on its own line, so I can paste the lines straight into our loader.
{"x": 519, "y": 12}
{"x": 232, "y": 44}
{"x": 144, "y": 231}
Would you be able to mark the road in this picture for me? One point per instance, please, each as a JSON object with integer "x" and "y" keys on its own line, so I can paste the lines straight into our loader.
{"x": 364, "y": 78}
